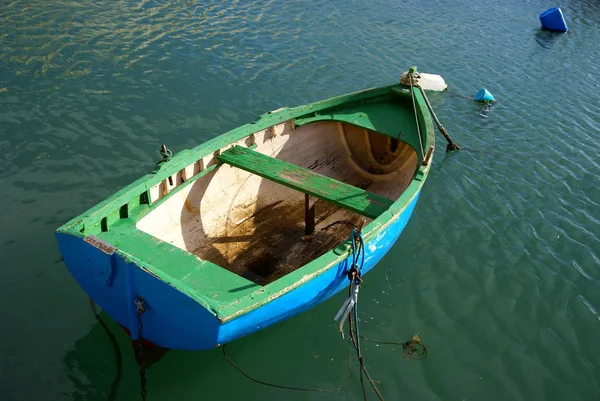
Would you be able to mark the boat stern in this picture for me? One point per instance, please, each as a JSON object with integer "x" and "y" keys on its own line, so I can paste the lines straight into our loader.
{"x": 170, "y": 318}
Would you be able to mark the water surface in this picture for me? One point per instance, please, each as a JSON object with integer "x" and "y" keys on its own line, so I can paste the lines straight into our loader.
{"x": 499, "y": 269}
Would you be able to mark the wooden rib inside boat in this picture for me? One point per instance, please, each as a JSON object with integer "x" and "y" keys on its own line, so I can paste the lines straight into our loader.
{"x": 283, "y": 196}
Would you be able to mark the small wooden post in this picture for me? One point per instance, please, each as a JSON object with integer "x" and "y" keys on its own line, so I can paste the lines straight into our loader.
{"x": 309, "y": 214}
{"x": 361, "y": 225}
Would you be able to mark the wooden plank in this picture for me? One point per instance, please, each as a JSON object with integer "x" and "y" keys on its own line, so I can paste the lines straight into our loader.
{"x": 304, "y": 180}
{"x": 309, "y": 215}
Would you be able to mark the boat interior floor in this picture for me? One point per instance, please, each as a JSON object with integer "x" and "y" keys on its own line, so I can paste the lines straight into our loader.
{"x": 272, "y": 242}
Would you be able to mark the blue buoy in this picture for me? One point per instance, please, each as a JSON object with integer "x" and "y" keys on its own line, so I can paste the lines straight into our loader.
{"x": 553, "y": 20}
{"x": 484, "y": 96}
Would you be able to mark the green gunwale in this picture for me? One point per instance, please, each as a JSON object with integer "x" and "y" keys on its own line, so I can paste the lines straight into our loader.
{"x": 225, "y": 294}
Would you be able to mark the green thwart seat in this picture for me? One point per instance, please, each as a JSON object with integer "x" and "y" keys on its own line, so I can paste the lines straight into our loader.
{"x": 306, "y": 181}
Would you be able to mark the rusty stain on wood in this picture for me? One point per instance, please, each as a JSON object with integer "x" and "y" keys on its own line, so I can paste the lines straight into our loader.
{"x": 99, "y": 244}
{"x": 191, "y": 208}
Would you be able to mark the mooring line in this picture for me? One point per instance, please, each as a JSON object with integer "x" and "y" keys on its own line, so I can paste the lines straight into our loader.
{"x": 306, "y": 389}
{"x": 413, "y": 348}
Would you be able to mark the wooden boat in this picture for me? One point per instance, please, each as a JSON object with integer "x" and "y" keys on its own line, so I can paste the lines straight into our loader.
{"x": 254, "y": 226}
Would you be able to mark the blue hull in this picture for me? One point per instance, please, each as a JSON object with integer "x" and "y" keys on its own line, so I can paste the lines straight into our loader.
{"x": 173, "y": 320}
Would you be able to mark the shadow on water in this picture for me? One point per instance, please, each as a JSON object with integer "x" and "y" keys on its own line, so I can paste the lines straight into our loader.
{"x": 546, "y": 39}
{"x": 96, "y": 364}
{"x": 101, "y": 366}
{"x": 448, "y": 156}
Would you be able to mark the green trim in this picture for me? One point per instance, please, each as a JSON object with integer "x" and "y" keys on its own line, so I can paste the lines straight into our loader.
{"x": 306, "y": 181}
{"x": 394, "y": 117}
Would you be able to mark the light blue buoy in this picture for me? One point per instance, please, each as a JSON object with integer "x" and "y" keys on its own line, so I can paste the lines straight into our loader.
{"x": 553, "y": 20}
{"x": 484, "y": 96}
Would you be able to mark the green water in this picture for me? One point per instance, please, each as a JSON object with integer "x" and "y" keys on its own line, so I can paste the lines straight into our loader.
{"x": 498, "y": 270}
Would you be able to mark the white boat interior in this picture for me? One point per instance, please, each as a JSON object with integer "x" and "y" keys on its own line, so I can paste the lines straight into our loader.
{"x": 262, "y": 229}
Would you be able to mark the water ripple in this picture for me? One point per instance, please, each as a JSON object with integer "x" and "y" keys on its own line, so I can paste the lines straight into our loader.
{"x": 498, "y": 269}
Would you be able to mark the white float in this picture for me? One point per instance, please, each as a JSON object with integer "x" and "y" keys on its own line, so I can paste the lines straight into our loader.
{"x": 430, "y": 82}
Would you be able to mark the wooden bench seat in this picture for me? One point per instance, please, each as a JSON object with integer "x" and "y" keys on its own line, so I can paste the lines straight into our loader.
{"x": 306, "y": 181}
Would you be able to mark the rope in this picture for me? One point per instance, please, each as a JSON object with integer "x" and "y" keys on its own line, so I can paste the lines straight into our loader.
{"x": 413, "y": 348}
{"x": 355, "y": 279}
{"x": 350, "y": 309}
{"x": 165, "y": 153}
{"x": 362, "y": 247}
{"x": 451, "y": 144}
{"x": 357, "y": 251}
{"x": 412, "y": 95}
{"x": 353, "y": 322}
{"x": 166, "y": 157}
{"x": 305, "y": 389}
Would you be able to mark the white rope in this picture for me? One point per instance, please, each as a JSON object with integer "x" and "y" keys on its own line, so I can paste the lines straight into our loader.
{"x": 451, "y": 145}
